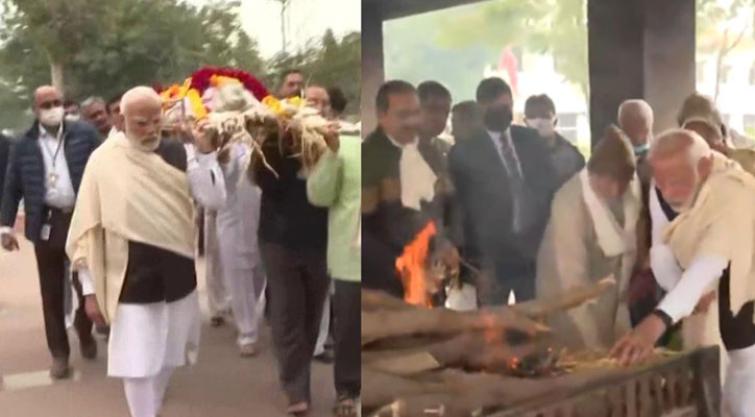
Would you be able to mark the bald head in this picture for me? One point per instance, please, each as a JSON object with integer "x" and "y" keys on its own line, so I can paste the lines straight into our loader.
{"x": 636, "y": 120}
{"x": 681, "y": 162}
{"x": 138, "y": 97}
{"x": 141, "y": 109}
{"x": 48, "y": 106}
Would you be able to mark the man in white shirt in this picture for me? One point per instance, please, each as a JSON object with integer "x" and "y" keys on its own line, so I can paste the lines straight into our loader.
{"x": 706, "y": 248}
{"x": 45, "y": 170}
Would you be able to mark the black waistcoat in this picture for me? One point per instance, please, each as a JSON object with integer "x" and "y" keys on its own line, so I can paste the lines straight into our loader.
{"x": 154, "y": 274}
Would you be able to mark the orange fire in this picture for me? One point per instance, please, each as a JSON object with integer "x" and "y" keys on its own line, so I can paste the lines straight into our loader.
{"x": 412, "y": 266}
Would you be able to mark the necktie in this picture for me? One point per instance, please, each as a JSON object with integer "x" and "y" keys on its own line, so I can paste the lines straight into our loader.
{"x": 516, "y": 183}
{"x": 510, "y": 158}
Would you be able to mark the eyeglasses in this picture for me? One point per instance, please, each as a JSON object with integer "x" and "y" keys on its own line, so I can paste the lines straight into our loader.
{"x": 47, "y": 105}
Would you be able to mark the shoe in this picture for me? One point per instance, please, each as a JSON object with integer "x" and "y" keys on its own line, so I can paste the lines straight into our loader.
{"x": 248, "y": 350}
{"x": 60, "y": 368}
{"x": 89, "y": 348}
{"x": 298, "y": 409}
{"x": 325, "y": 357}
{"x": 217, "y": 321}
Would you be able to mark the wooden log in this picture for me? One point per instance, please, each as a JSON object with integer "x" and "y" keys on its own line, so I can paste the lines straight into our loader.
{"x": 384, "y": 316}
{"x": 383, "y": 324}
{"x": 543, "y": 307}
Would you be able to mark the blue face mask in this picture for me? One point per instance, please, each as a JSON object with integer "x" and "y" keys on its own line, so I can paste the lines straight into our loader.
{"x": 641, "y": 149}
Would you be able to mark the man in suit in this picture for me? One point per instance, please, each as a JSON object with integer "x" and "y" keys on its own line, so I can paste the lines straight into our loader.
{"x": 504, "y": 180}
{"x": 45, "y": 170}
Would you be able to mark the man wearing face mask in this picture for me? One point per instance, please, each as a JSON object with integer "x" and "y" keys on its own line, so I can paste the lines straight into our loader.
{"x": 45, "y": 170}
{"x": 71, "y": 110}
{"x": 132, "y": 243}
{"x": 504, "y": 181}
{"x": 590, "y": 236}
{"x": 540, "y": 114}
{"x": 636, "y": 118}
{"x": 401, "y": 189}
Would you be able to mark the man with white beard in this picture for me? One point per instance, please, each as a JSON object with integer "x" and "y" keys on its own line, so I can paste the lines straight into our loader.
{"x": 132, "y": 243}
{"x": 709, "y": 202}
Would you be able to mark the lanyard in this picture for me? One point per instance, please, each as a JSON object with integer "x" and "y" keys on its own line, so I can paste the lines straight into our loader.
{"x": 59, "y": 138}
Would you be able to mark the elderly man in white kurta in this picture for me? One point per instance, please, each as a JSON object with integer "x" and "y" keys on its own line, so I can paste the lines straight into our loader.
{"x": 132, "y": 242}
{"x": 709, "y": 201}
{"x": 592, "y": 235}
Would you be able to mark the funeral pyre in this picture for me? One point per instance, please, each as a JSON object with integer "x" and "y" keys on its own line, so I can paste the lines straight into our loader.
{"x": 418, "y": 360}
{"x": 232, "y": 106}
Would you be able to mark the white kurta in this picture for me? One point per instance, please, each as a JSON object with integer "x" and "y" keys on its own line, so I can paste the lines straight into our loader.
{"x": 238, "y": 212}
{"x": 145, "y": 338}
{"x": 697, "y": 329}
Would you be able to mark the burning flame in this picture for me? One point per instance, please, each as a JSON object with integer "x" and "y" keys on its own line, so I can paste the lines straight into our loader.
{"x": 412, "y": 266}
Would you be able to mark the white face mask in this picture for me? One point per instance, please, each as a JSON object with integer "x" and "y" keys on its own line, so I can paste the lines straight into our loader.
{"x": 546, "y": 127}
{"x": 73, "y": 117}
{"x": 52, "y": 116}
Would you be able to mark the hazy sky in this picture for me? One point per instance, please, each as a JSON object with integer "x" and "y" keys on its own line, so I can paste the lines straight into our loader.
{"x": 306, "y": 19}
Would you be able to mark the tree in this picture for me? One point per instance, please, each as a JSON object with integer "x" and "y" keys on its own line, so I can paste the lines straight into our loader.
{"x": 109, "y": 49}
{"x": 720, "y": 31}
{"x": 558, "y": 27}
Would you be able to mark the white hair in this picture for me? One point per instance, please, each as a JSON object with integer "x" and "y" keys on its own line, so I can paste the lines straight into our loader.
{"x": 636, "y": 108}
{"x": 138, "y": 94}
{"x": 673, "y": 141}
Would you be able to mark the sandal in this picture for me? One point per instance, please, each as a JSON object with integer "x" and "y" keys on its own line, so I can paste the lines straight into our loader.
{"x": 345, "y": 407}
{"x": 298, "y": 409}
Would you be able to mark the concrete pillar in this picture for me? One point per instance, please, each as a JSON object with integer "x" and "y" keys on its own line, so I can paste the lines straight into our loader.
{"x": 373, "y": 71}
{"x": 640, "y": 49}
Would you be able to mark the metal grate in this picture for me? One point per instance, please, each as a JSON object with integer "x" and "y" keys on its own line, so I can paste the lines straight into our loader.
{"x": 687, "y": 385}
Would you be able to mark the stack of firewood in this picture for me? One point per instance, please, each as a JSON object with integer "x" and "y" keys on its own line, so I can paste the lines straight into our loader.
{"x": 424, "y": 362}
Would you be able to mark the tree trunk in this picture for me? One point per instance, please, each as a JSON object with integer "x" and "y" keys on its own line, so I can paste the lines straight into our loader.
{"x": 56, "y": 75}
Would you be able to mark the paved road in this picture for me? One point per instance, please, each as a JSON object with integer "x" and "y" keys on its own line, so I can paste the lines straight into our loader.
{"x": 221, "y": 385}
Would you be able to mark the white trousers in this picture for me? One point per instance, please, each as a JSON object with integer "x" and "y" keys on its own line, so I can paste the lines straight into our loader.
{"x": 322, "y": 337}
{"x": 739, "y": 388}
{"x": 245, "y": 286}
{"x": 217, "y": 296}
{"x": 145, "y": 395}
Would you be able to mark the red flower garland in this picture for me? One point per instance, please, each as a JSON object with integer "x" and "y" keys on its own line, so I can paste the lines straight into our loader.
{"x": 201, "y": 80}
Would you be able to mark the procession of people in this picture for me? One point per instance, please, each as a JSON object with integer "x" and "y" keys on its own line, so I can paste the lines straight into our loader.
{"x": 110, "y": 205}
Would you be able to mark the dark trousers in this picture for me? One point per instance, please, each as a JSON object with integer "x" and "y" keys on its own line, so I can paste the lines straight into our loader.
{"x": 347, "y": 336}
{"x": 298, "y": 283}
{"x": 51, "y": 266}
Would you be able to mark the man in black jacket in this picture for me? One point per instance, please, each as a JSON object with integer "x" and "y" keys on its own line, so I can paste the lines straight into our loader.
{"x": 504, "y": 181}
{"x": 45, "y": 170}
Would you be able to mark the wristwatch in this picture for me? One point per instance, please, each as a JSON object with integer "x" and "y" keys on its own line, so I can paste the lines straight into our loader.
{"x": 665, "y": 318}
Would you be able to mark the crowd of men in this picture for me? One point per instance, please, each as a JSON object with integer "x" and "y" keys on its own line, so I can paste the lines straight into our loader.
{"x": 109, "y": 191}
{"x": 520, "y": 212}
